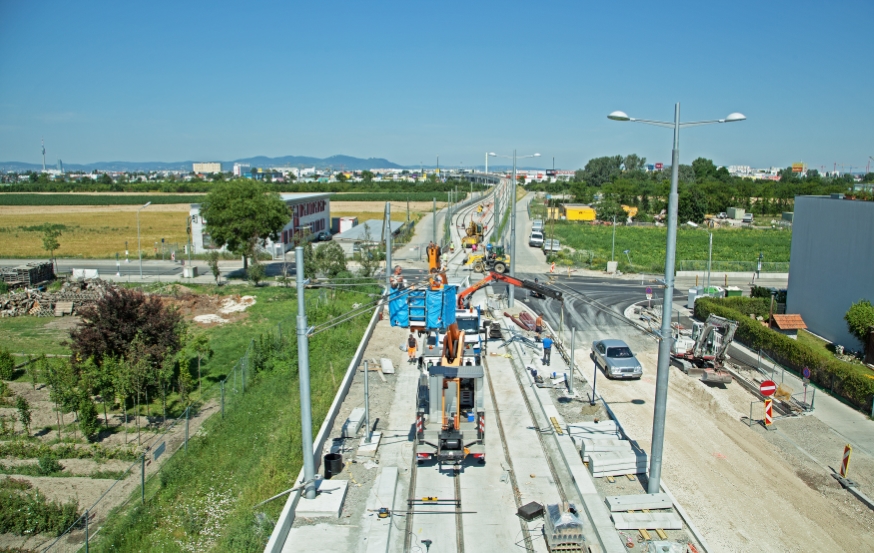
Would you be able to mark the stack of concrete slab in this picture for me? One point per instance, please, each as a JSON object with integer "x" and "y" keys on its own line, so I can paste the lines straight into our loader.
{"x": 602, "y": 446}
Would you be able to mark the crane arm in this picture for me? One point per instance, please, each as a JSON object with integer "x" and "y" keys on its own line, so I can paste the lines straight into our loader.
{"x": 513, "y": 281}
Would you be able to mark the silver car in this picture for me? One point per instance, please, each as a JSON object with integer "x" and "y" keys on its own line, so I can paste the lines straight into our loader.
{"x": 616, "y": 359}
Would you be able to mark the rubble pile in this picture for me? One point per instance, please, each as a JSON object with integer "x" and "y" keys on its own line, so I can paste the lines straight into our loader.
{"x": 72, "y": 296}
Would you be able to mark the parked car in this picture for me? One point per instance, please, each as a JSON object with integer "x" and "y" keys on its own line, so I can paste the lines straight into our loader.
{"x": 551, "y": 246}
{"x": 323, "y": 236}
{"x": 748, "y": 218}
{"x": 537, "y": 224}
{"x": 722, "y": 215}
{"x": 536, "y": 239}
{"x": 616, "y": 359}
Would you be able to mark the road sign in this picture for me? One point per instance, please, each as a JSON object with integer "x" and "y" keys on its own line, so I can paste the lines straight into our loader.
{"x": 845, "y": 463}
{"x": 159, "y": 450}
{"x": 769, "y": 413}
{"x": 768, "y": 388}
{"x": 648, "y": 293}
{"x": 806, "y": 373}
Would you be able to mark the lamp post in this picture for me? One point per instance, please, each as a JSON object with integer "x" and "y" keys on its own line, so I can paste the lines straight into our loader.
{"x": 139, "y": 243}
{"x": 512, "y": 202}
{"x": 658, "y": 427}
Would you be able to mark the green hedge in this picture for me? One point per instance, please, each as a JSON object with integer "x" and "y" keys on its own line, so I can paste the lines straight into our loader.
{"x": 825, "y": 371}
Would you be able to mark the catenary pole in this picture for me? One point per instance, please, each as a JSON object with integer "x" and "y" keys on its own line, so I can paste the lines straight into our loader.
{"x": 387, "y": 248}
{"x": 303, "y": 368}
{"x": 512, "y": 297}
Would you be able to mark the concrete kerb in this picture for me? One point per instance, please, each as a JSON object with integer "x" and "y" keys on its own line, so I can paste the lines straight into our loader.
{"x": 286, "y": 518}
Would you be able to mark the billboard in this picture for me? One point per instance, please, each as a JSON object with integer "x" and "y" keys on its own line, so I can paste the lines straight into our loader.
{"x": 799, "y": 168}
{"x": 659, "y": 166}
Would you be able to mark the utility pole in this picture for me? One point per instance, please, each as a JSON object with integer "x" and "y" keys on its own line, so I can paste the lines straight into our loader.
{"x": 512, "y": 297}
{"x": 387, "y": 249}
{"x": 573, "y": 362}
{"x": 434, "y": 221}
{"x": 303, "y": 369}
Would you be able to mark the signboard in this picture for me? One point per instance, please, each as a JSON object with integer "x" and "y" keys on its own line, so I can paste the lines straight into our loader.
{"x": 767, "y": 388}
{"x": 159, "y": 450}
{"x": 806, "y": 373}
{"x": 659, "y": 166}
{"x": 648, "y": 293}
{"x": 769, "y": 413}
{"x": 799, "y": 167}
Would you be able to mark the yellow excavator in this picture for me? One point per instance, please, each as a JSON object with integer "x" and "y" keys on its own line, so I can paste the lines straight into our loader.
{"x": 474, "y": 233}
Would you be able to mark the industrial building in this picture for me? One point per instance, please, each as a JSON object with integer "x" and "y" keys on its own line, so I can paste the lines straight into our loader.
{"x": 832, "y": 263}
{"x": 578, "y": 212}
{"x": 310, "y": 214}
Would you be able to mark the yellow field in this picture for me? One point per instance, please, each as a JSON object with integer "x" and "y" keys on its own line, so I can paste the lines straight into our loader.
{"x": 91, "y": 233}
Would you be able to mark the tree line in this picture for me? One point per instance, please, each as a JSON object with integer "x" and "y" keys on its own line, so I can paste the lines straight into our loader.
{"x": 703, "y": 188}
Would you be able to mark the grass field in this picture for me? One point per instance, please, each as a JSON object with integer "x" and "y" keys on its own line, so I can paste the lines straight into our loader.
{"x": 35, "y": 335}
{"x": 646, "y": 245}
{"x": 89, "y": 234}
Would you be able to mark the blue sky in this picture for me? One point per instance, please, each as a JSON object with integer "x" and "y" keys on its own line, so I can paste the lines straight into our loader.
{"x": 409, "y": 81}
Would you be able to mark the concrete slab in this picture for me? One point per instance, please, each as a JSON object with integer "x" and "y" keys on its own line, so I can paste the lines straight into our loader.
{"x": 312, "y": 539}
{"x": 382, "y": 495}
{"x": 649, "y": 521}
{"x": 386, "y": 366}
{"x": 368, "y": 450}
{"x": 354, "y": 423}
{"x": 638, "y": 502}
{"x": 589, "y": 446}
{"x": 328, "y": 502}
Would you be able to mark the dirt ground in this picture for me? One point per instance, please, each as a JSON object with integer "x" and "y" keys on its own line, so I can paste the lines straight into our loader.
{"x": 746, "y": 489}
{"x": 57, "y": 209}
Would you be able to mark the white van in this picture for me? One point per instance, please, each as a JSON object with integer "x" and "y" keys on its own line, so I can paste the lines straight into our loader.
{"x": 537, "y": 225}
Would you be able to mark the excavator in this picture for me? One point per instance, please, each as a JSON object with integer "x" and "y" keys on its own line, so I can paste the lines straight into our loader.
{"x": 474, "y": 233}
{"x": 493, "y": 276}
{"x": 705, "y": 352}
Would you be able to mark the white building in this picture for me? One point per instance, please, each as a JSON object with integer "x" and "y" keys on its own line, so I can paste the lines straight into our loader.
{"x": 310, "y": 214}
{"x": 240, "y": 168}
{"x": 207, "y": 167}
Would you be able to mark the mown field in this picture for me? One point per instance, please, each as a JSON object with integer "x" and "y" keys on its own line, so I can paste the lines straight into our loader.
{"x": 91, "y": 234}
{"x": 646, "y": 245}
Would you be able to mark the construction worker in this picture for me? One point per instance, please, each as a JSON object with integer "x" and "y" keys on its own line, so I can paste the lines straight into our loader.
{"x": 547, "y": 349}
{"x": 397, "y": 279}
{"x": 411, "y": 348}
{"x": 538, "y": 326}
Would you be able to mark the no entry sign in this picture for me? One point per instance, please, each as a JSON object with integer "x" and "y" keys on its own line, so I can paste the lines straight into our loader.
{"x": 805, "y": 373}
{"x": 768, "y": 388}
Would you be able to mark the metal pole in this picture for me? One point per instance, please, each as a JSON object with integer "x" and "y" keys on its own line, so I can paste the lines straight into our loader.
{"x": 709, "y": 262}
{"x": 595, "y": 386}
{"x": 434, "y": 220}
{"x": 143, "y": 477}
{"x": 573, "y": 362}
{"x": 387, "y": 248}
{"x": 139, "y": 245}
{"x": 303, "y": 369}
{"x": 613, "y": 251}
{"x": 512, "y": 296}
{"x": 186, "y": 427}
{"x": 664, "y": 360}
{"x": 367, "y": 403}
{"x": 86, "y": 530}
{"x": 487, "y": 163}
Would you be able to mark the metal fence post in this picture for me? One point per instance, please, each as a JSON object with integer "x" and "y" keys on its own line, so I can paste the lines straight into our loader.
{"x": 186, "y": 429}
{"x": 367, "y": 401}
{"x": 572, "y": 362}
{"x": 223, "y": 398}
{"x": 143, "y": 478}
{"x": 86, "y": 530}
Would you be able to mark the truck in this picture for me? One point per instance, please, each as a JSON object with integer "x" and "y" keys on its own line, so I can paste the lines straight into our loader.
{"x": 706, "y": 350}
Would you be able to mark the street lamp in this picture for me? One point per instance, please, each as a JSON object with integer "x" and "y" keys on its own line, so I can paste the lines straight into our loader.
{"x": 511, "y": 295}
{"x": 664, "y": 359}
{"x": 139, "y": 244}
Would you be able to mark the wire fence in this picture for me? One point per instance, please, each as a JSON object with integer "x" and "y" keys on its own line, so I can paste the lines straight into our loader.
{"x": 172, "y": 438}
{"x": 733, "y": 266}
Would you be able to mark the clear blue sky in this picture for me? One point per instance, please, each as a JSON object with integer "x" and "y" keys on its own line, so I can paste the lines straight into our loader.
{"x": 411, "y": 80}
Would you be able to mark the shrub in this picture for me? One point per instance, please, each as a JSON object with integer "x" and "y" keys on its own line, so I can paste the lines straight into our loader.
{"x": 29, "y": 512}
{"x": 48, "y": 465}
{"x": 829, "y": 373}
{"x": 860, "y": 320}
{"x": 7, "y": 365}
{"x": 88, "y": 423}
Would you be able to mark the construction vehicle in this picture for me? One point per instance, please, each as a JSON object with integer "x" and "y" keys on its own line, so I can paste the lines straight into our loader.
{"x": 474, "y": 233}
{"x": 450, "y": 412}
{"x": 706, "y": 351}
{"x": 494, "y": 276}
{"x": 493, "y": 260}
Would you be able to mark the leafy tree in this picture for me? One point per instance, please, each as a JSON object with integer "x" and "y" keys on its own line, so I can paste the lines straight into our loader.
{"x": 256, "y": 272}
{"x": 111, "y": 325}
{"x": 580, "y": 175}
{"x": 213, "y": 260}
{"x": 88, "y": 423}
{"x": 601, "y": 170}
{"x": 685, "y": 174}
{"x": 367, "y": 176}
{"x": 105, "y": 179}
{"x": 608, "y": 209}
{"x": 24, "y": 415}
{"x": 50, "y": 235}
{"x": 692, "y": 205}
{"x": 99, "y": 379}
{"x": 186, "y": 383}
{"x": 342, "y": 177}
{"x": 240, "y": 213}
{"x": 860, "y": 321}
{"x": 633, "y": 163}
{"x": 704, "y": 169}
{"x": 199, "y": 345}
{"x": 330, "y": 260}
{"x": 7, "y": 364}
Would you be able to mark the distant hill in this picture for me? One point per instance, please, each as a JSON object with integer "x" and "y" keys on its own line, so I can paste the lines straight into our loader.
{"x": 334, "y": 162}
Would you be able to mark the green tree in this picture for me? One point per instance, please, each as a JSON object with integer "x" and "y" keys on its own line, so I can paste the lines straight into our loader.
{"x": 7, "y": 364}
{"x": 24, "y": 415}
{"x": 88, "y": 423}
{"x": 199, "y": 345}
{"x": 213, "y": 260}
{"x": 186, "y": 383}
{"x": 608, "y": 209}
{"x": 704, "y": 169}
{"x": 633, "y": 163}
{"x": 860, "y": 321}
{"x": 330, "y": 260}
{"x": 692, "y": 205}
{"x": 601, "y": 170}
{"x": 105, "y": 179}
{"x": 50, "y": 235}
{"x": 367, "y": 176}
{"x": 256, "y": 272}
{"x": 241, "y": 213}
